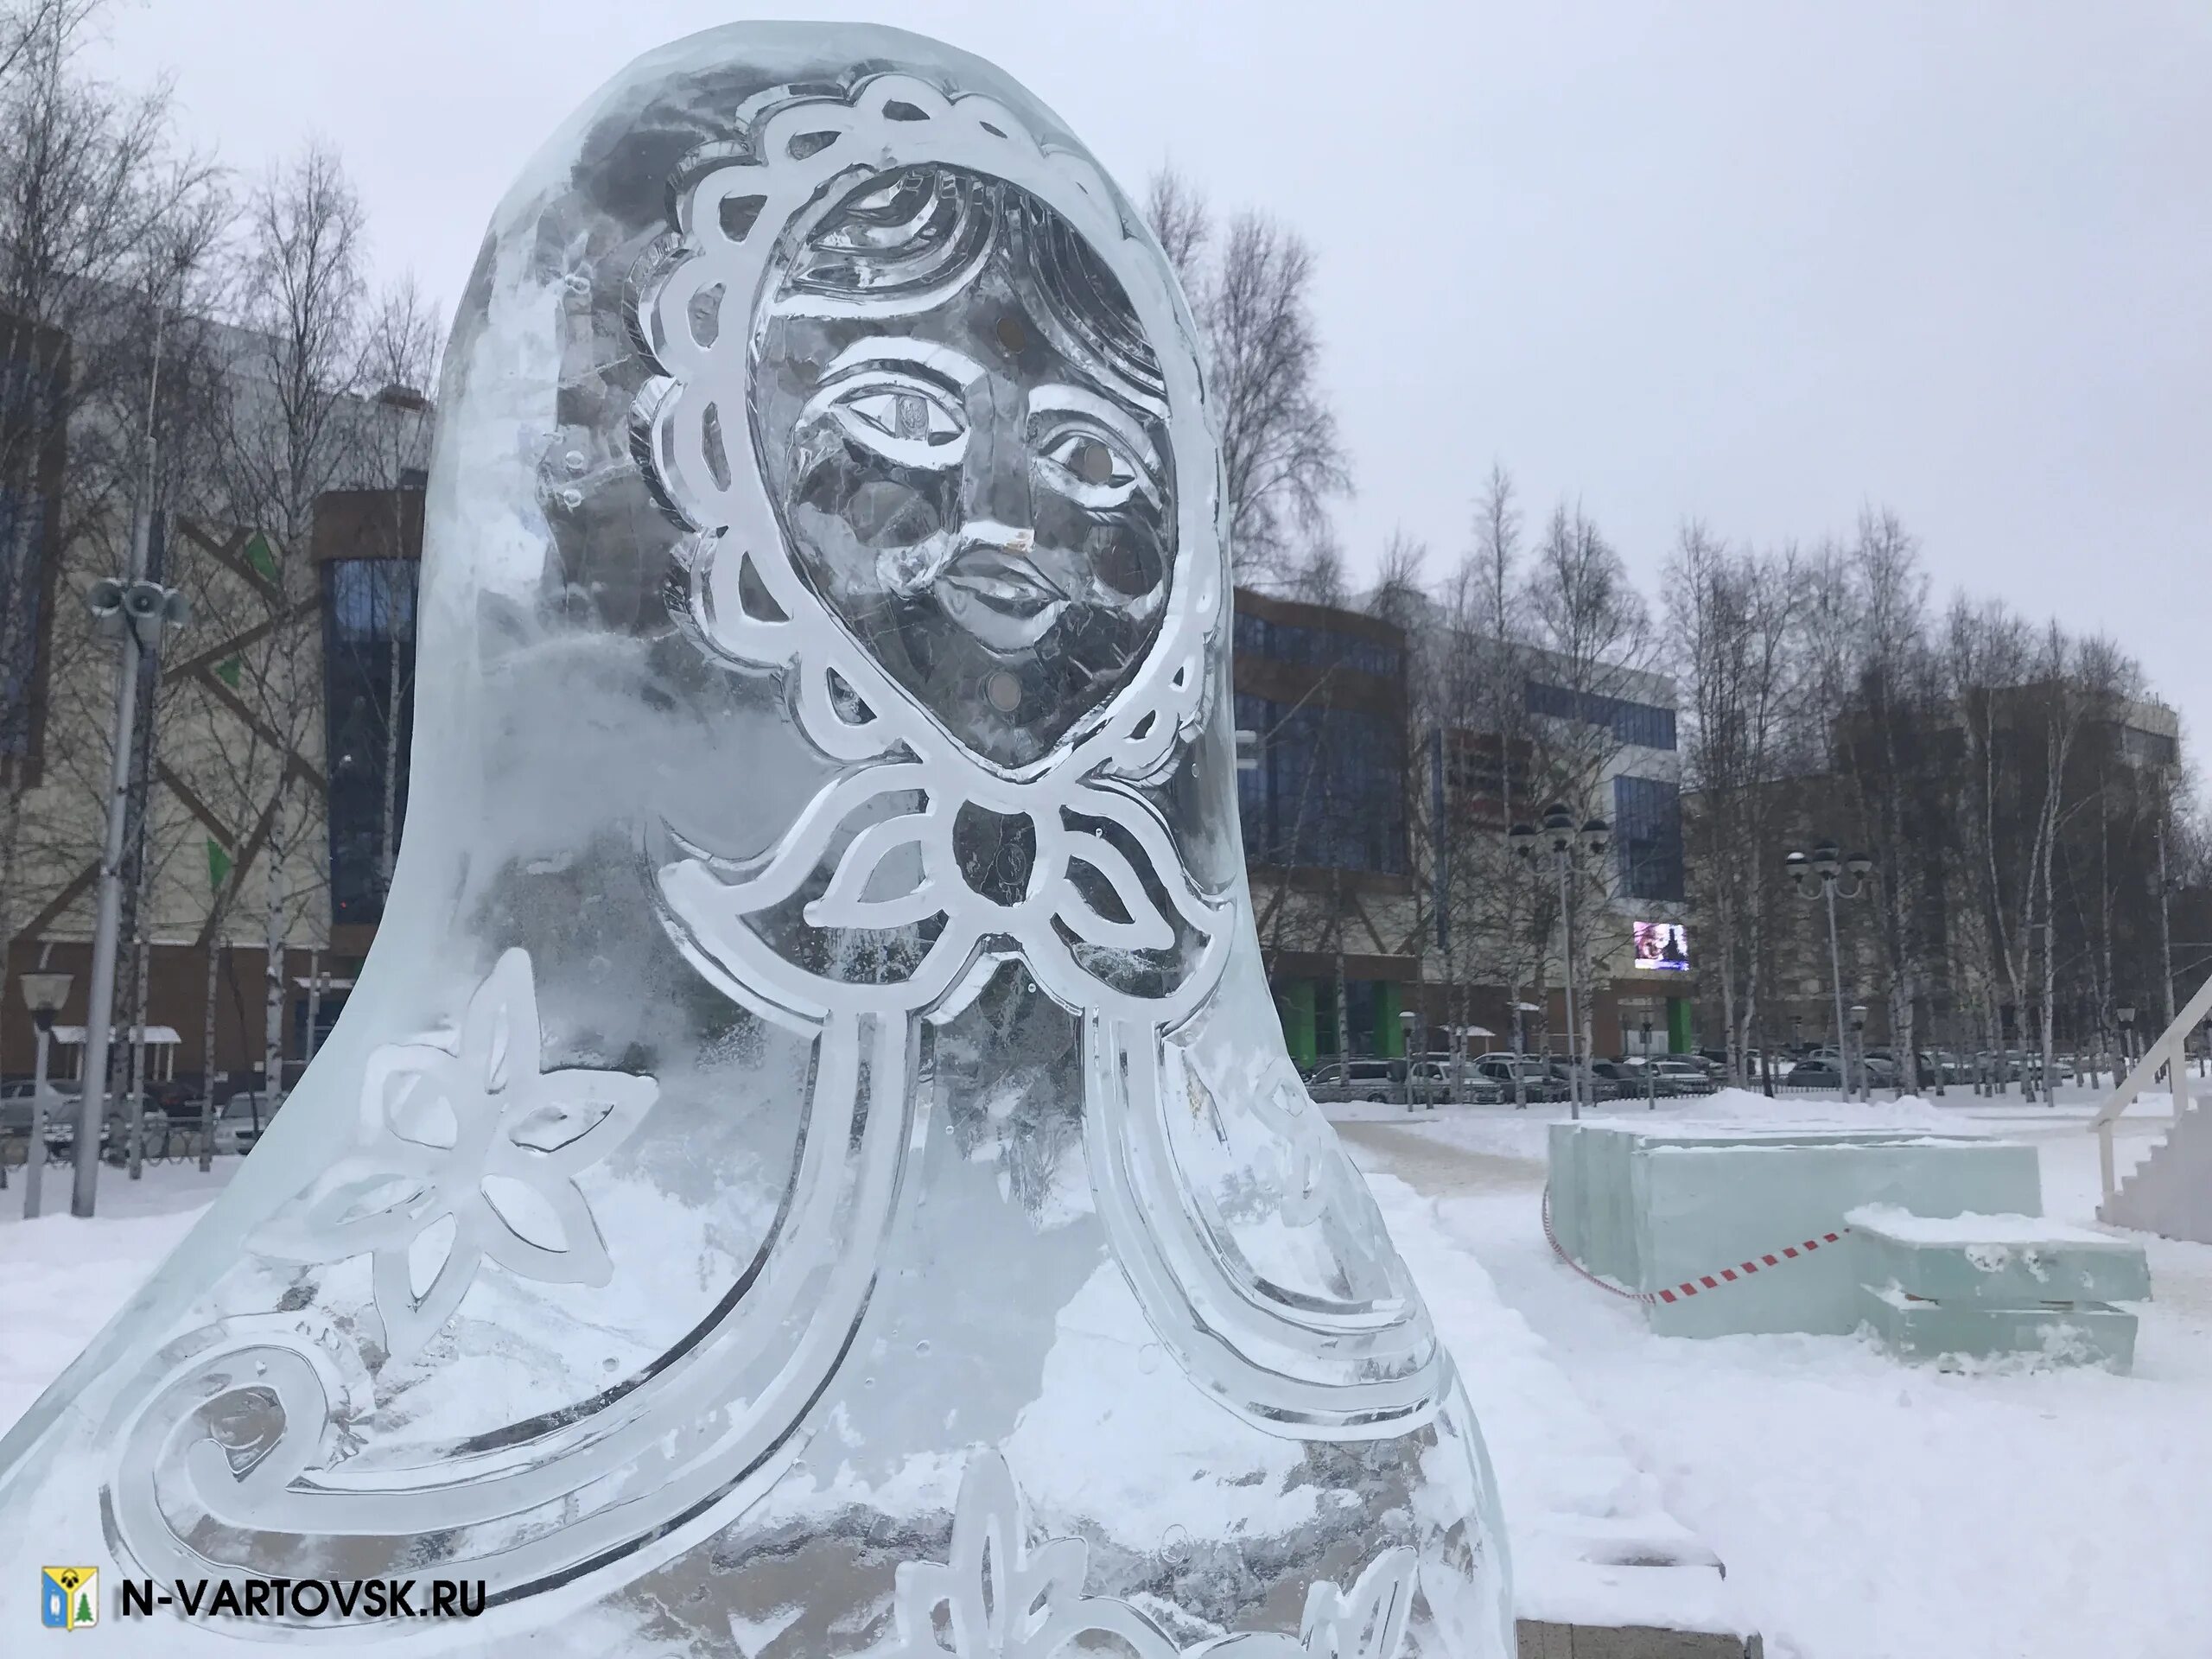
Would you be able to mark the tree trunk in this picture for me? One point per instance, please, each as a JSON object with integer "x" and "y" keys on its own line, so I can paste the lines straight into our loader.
{"x": 207, "y": 1045}
{"x": 315, "y": 1003}
{"x": 138, "y": 1060}
{"x": 2165, "y": 921}
{"x": 1520, "y": 1046}
{"x": 272, "y": 1048}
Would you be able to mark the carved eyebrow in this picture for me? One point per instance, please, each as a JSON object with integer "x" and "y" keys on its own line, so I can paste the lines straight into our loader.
{"x": 903, "y": 351}
{"x": 1075, "y": 400}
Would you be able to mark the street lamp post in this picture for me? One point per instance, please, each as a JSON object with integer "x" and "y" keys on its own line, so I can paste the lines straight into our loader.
{"x": 43, "y": 994}
{"x": 1407, "y": 1021}
{"x": 133, "y": 613}
{"x": 2126, "y": 1013}
{"x": 1858, "y": 1042}
{"x": 1650, "y": 1081}
{"x": 1829, "y": 865}
{"x": 1567, "y": 843}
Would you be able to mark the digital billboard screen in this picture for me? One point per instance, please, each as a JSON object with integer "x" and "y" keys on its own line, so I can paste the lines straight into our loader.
{"x": 1663, "y": 946}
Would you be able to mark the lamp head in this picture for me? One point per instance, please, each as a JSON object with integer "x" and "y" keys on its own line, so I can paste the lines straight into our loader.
{"x": 1858, "y": 864}
{"x": 1827, "y": 861}
{"x": 1859, "y": 1016}
{"x": 1521, "y": 838}
{"x": 1558, "y": 819}
{"x": 1794, "y": 863}
{"x": 44, "y": 993}
{"x": 104, "y": 599}
{"x": 1596, "y": 834}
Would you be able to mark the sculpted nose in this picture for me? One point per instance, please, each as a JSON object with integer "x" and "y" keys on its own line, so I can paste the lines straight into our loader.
{"x": 995, "y": 487}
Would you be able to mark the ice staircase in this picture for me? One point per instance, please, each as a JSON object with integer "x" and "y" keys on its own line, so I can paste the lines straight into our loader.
{"x": 2170, "y": 1191}
{"x": 1980, "y": 1286}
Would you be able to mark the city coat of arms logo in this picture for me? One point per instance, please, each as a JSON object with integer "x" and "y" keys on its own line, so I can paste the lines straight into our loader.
{"x": 69, "y": 1596}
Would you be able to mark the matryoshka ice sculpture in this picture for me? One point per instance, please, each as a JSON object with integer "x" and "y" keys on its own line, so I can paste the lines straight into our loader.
{"x": 809, "y": 1167}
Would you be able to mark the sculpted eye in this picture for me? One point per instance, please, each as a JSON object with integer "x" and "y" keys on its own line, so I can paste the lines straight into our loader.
{"x": 905, "y": 421}
{"x": 1089, "y": 466}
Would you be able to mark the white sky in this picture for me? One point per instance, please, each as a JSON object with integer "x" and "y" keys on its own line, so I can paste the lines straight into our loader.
{"x": 1758, "y": 261}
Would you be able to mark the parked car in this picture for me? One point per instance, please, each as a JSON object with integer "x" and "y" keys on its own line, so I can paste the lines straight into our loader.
{"x": 62, "y": 1130}
{"x": 15, "y": 1107}
{"x": 1539, "y": 1079}
{"x": 1444, "y": 1079}
{"x": 2014, "y": 1064}
{"x": 1688, "y": 1077}
{"x": 1377, "y": 1080}
{"x": 1616, "y": 1079}
{"x": 1942, "y": 1065}
{"x": 1816, "y": 1072}
{"x": 241, "y": 1120}
{"x": 1881, "y": 1070}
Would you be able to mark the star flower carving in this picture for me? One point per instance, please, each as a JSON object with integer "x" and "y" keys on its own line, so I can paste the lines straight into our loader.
{"x": 474, "y": 1133}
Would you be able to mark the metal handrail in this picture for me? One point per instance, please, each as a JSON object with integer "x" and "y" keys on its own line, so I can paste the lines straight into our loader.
{"x": 2171, "y": 1051}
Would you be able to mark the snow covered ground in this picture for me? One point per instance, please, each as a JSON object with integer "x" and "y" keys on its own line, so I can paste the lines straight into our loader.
{"x": 1864, "y": 1509}
{"x": 1867, "y": 1510}
{"x": 62, "y": 1278}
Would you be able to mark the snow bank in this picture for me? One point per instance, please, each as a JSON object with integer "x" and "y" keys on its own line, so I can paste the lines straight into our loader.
{"x": 1592, "y": 1543}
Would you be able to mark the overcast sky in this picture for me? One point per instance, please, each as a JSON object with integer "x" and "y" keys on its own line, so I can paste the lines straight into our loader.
{"x": 1759, "y": 262}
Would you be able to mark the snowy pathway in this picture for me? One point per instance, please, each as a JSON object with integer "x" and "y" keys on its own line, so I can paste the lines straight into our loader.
{"x": 1865, "y": 1510}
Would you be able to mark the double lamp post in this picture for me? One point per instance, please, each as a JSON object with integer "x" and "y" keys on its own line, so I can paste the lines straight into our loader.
{"x": 1826, "y": 866}
{"x": 1567, "y": 845}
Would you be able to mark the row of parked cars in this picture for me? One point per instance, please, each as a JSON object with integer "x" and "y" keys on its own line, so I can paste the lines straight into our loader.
{"x": 1490, "y": 1079}
{"x": 1823, "y": 1068}
{"x": 169, "y": 1117}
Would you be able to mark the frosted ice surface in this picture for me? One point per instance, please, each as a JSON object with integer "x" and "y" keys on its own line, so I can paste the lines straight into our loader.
{"x": 810, "y": 1165}
{"x": 1894, "y": 1222}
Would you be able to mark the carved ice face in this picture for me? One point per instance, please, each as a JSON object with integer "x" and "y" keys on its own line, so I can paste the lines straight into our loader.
{"x": 964, "y": 433}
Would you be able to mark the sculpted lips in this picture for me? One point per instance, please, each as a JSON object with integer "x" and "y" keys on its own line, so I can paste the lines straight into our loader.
{"x": 1004, "y": 582}
{"x": 1000, "y": 596}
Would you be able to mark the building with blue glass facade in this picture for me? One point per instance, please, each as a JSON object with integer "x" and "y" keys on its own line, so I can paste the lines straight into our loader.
{"x": 1322, "y": 806}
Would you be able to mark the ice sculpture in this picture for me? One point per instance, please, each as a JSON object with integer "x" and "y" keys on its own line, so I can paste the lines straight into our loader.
{"x": 809, "y": 1167}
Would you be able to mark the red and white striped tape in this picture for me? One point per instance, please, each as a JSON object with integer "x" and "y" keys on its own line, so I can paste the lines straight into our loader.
{"x": 1688, "y": 1287}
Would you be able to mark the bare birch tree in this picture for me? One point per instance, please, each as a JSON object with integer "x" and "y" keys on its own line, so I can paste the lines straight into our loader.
{"x": 1733, "y": 621}
{"x": 295, "y": 433}
{"x": 1249, "y": 284}
{"x": 100, "y": 214}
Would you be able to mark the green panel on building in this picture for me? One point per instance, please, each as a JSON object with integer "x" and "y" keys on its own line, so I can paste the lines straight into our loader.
{"x": 261, "y": 557}
{"x": 1294, "y": 1005}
